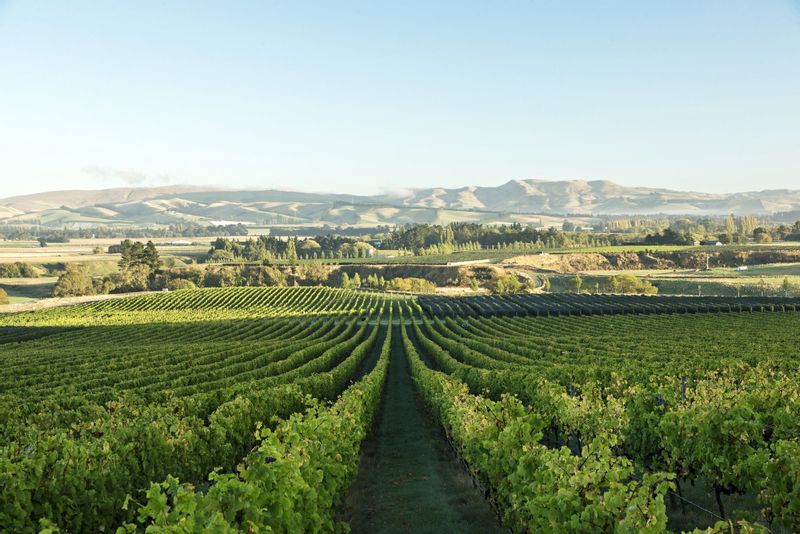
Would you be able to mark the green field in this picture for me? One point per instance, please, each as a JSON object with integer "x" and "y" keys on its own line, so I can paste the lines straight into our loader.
{"x": 782, "y": 269}
{"x": 195, "y": 411}
{"x": 756, "y": 280}
{"x": 27, "y": 289}
{"x": 788, "y": 245}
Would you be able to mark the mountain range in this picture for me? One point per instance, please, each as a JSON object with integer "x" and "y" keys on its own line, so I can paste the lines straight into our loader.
{"x": 525, "y": 201}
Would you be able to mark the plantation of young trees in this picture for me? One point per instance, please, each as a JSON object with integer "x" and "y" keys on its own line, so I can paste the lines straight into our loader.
{"x": 245, "y": 409}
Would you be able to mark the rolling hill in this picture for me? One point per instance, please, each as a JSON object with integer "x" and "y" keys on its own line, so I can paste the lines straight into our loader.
{"x": 524, "y": 201}
{"x": 601, "y": 197}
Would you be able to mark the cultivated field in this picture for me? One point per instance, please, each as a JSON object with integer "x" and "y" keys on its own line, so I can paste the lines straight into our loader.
{"x": 296, "y": 409}
{"x": 83, "y": 251}
{"x": 767, "y": 279}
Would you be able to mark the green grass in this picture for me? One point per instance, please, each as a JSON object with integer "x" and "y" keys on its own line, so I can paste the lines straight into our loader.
{"x": 681, "y": 285}
{"x": 26, "y": 289}
{"x": 629, "y": 248}
{"x": 98, "y": 268}
{"x": 789, "y": 245}
{"x": 776, "y": 269}
{"x": 408, "y": 479}
{"x": 18, "y": 300}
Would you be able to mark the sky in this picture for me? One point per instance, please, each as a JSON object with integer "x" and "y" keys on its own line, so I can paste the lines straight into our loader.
{"x": 377, "y": 96}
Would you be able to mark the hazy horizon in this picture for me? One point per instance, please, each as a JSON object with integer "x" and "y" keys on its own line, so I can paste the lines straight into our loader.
{"x": 364, "y": 98}
{"x": 383, "y": 191}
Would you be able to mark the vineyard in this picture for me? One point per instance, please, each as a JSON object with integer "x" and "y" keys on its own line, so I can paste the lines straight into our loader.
{"x": 299, "y": 409}
{"x": 207, "y": 305}
{"x": 574, "y": 304}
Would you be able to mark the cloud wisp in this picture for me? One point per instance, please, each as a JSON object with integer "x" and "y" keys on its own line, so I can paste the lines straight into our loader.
{"x": 127, "y": 177}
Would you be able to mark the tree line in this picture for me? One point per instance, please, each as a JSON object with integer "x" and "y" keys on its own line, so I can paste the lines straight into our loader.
{"x": 64, "y": 235}
{"x": 732, "y": 230}
{"x": 266, "y": 248}
{"x": 425, "y": 238}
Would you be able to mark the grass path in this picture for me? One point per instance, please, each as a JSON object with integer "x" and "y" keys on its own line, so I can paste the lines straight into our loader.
{"x": 409, "y": 480}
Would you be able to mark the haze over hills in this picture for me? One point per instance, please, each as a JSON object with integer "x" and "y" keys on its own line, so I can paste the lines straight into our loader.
{"x": 516, "y": 200}
{"x": 601, "y": 197}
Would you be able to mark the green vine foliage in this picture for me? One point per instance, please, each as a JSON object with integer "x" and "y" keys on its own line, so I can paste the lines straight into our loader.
{"x": 292, "y": 481}
{"x": 537, "y": 488}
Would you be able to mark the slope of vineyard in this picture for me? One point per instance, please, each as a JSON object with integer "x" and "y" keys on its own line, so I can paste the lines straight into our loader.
{"x": 710, "y": 399}
{"x": 291, "y": 482}
{"x": 574, "y": 304}
{"x": 169, "y": 384}
{"x": 207, "y": 304}
{"x": 243, "y": 410}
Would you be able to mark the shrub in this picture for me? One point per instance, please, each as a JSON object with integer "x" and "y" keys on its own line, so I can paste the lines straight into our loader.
{"x": 135, "y": 278}
{"x": 508, "y": 283}
{"x": 221, "y": 256}
{"x": 9, "y": 270}
{"x": 223, "y": 277}
{"x": 177, "y": 284}
{"x": 104, "y": 286}
{"x": 414, "y": 285}
{"x": 73, "y": 283}
{"x": 627, "y": 283}
{"x": 4, "y": 296}
{"x": 19, "y": 270}
{"x": 313, "y": 272}
{"x": 195, "y": 274}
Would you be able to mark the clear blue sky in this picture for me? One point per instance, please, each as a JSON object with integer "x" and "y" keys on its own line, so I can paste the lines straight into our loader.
{"x": 366, "y": 96}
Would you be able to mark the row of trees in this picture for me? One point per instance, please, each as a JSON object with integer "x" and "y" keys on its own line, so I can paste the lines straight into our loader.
{"x": 139, "y": 265}
{"x": 669, "y": 237}
{"x": 77, "y": 282}
{"x": 782, "y": 232}
{"x": 509, "y": 283}
{"x": 134, "y": 253}
{"x": 265, "y": 248}
{"x": 141, "y": 270}
{"x": 628, "y": 284}
{"x": 373, "y": 281}
{"x": 428, "y": 239}
{"x": 19, "y": 270}
{"x": 634, "y": 225}
{"x": 619, "y": 284}
{"x": 732, "y": 230}
{"x": 625, "y": 284}
{"x": 49, "y": 235}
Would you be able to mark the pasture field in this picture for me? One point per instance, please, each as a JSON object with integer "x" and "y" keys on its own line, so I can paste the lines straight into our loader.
{"x": 768, "y": 270}
{"x": 27, "y": 289}
{"x": 788, "y": 245}
{"x": 297, "y": 409}
{"x": 82, "y": 252}
{"x": 767, "y": 279}
{"x": 775, "y": 270}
